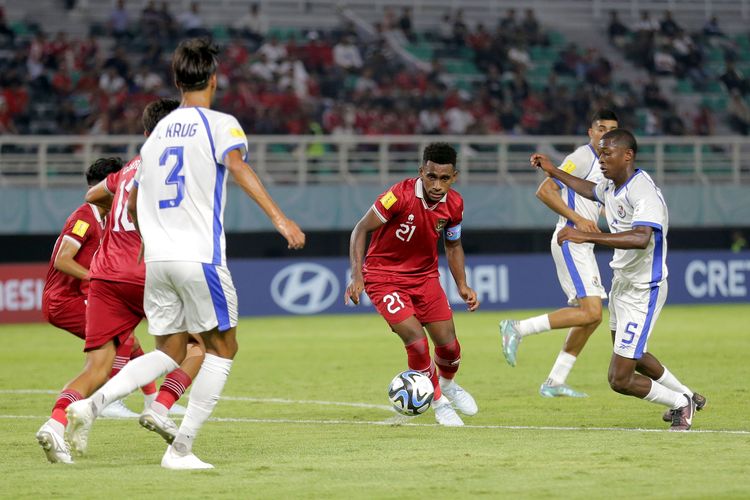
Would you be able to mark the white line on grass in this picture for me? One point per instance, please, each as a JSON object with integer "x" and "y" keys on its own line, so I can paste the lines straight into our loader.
{"x": 388, "y": 423}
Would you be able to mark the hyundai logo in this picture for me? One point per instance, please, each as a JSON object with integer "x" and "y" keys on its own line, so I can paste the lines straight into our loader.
{"x": 305, "y": 288}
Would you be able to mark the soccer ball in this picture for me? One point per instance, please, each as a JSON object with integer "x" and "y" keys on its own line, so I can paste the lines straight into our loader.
{"x": 411, "y": 393}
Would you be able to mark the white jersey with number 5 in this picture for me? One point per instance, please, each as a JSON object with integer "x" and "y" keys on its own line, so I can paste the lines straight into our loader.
{"x": 182, "y": 185}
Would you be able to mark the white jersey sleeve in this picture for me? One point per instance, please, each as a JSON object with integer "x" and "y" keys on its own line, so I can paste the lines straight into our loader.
{"x": 649, "y": 208}
{"x": 580, "y": 162}
{"x": 228, "y": 135}
{"x": 584, "y": 164}
{"x": 600, "y": 190}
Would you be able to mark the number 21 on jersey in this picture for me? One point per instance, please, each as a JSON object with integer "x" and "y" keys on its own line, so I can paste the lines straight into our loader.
{"x": 405, "y": 232}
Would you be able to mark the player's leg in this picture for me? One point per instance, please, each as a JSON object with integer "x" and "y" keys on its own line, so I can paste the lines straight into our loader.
{"x": 148, "y": 390}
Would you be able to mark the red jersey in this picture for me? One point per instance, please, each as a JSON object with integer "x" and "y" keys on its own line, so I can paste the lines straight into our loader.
{"x": 83, "y": 228}
{"x": 406, "y": 245}
{"x": 117, "y": 258}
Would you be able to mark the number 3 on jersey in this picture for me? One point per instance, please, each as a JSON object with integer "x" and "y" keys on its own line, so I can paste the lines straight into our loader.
{"x": 174, "y": 176}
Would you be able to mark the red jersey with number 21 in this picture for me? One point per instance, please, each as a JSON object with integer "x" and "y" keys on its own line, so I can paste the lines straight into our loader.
{"x": 406, "y": 245}
{"x": 117, "y": 258}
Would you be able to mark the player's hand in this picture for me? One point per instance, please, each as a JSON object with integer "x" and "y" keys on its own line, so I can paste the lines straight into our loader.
{"x": 354, "y": 290}
{"x": 587, "y": 226}
{"x": 539, "y": 160}
{"x": 470, "y": 297}
{"x": 289, "y": 229}
{"x": 570, "y": 234}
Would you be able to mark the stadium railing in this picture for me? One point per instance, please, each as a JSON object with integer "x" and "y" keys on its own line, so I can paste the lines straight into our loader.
{"x": 44, "y": 161}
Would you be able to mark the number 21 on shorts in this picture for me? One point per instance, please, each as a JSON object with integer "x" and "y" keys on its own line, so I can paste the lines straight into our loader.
{"x": 393, "y": 302}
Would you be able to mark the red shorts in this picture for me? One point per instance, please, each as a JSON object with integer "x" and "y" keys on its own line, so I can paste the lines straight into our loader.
{"x": 114, "y": 310}
{"x": 396, "y": 301}
{"x": 69, "y": 315}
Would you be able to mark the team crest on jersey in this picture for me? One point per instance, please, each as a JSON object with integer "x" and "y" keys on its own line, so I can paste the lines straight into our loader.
{"x": 621, "y": 211}
{"x": 410, "y": 219}
{"x": 440, "y": 224}
{"x": 595, "y": 281}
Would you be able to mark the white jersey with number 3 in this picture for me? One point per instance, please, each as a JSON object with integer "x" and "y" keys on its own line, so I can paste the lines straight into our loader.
{"x": 182, "y": 185}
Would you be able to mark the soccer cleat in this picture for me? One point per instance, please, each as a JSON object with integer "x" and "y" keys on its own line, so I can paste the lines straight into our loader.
{"x": 80, "y": 419}
{"x": 177, "y": 410}
{"x": 175, "y": 461}
{"x": 163, "y": 426}
{"x": 460, "y": 399}
{"x": 118, "y": 410}
{"x": 699, "y": 400}
{"x": 682, "y": 418}
{"x": 511, "y": 338}
{"x": 445, "y": 414}
{"x": 562, "y": 390}
{"x": 53, "y": 445}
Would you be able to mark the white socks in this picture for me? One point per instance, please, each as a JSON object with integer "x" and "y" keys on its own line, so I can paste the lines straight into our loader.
{"x": 204, "y": 395}
{"x": 560, "y": 370}
{"x": 664, "y": 396}
{"x": 670, "y": 381}
{"x": 137, "y": 373}
{"x": 530, "y": 326}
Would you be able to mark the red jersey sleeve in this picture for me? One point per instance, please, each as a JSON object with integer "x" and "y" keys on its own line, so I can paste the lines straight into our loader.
{"x": 389, "y": 203}
{"x": 81, "y": 225}
{"x": 110, "y": 183}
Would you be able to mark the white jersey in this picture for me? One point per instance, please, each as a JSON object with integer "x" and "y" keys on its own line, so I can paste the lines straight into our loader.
{"x": 584, "y": 164}
{"x": 182, "y": 185}
{"x": 637, "y": 203}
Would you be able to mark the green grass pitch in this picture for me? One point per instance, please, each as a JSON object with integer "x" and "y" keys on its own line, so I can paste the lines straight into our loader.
{"x": 275, "y": 437}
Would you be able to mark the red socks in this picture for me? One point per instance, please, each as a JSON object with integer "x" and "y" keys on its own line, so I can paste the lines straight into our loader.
{"x": 122, "y": 356}
{"x": 418, "y": 355}
{"x": 66, "y": 397}
{"x": 447, "y": 358}
{"x": 173, "y": 388}
{"x": 149, "y": 388}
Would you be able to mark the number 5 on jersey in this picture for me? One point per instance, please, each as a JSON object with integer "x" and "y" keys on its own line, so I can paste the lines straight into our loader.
{"x": 174, "y": 176}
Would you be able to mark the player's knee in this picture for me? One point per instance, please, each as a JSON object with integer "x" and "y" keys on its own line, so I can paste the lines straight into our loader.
{"x": 591, "y": 316}
{"x": 619, "y": 383}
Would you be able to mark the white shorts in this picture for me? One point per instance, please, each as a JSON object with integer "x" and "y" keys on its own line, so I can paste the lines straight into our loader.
{"x": 632, "y": 315}
{"x": 577, "y": 270}
{"x": 188, "y": 297}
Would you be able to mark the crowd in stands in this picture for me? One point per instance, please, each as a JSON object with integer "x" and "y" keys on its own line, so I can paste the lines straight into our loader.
{"x": 345, "y": 81}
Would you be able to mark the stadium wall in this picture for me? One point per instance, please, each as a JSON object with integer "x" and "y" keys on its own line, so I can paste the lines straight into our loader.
{"x": 26, "y": 210}
{"x": 316, "y": 286}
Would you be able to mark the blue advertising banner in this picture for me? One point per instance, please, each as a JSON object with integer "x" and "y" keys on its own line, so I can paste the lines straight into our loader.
{"x": 313, "y": 286}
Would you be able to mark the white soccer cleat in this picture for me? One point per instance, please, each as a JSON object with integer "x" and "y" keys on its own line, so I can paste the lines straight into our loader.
{"x": 175, "y": 461}
{"x": 163, "y": 426}
{"x": 445, "y": 414}
{"x": 53, "y": 444}
{"x": 80, "y": 419}
{"x": 177, "y": 410}
{"x": 118, "y": 410}
{"x": 461, "y": 400}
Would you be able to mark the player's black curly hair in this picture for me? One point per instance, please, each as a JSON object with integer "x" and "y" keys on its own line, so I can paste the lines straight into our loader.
{"x": 101, "y": 168}
{"x": 193, "y": 63}
{"x": 622, "y": 138}
{"x": 441, "y": 153}
{"x": 604, "y": 114}
{"x": 155, "y": 111}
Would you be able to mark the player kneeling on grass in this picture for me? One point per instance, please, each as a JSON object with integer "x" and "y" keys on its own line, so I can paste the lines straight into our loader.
{"x": 400, "y": 273}
{"x": 638, "y": 218}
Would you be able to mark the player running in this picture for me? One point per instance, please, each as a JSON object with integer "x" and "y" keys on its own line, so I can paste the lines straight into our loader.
{"x": 576, "y": 265}
{"x": 115, "y": 307}
{"x": 637, "y": 216}
{"x": 400, "y": 272}
{"x": 178, "y": 202}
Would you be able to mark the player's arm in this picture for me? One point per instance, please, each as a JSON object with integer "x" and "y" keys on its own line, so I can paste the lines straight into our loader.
{"x": 549, "y": 193}
{"x": 65, "y": 259}
{"x": 247, "y": 179}
{"x": 133, "y": 213}
{"x": 580, "y": 186}
{"x": 454, "y": 252}
{"x": 367, "y": 224}
{"x": 636, "y": 238}
{"x": 100, "y": 196}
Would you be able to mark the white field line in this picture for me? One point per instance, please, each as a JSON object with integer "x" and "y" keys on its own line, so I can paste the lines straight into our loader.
{"x": 394, "y": 421}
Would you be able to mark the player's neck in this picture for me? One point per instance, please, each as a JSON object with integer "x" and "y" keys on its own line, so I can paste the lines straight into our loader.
{"x": 625, "y": 177}
{"x": 200, "y": 98}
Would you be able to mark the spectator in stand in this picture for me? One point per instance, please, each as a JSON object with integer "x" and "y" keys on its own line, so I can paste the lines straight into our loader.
{"x": 119, "y": 21}
{"x": 652, "y": 96}
{"x": 150, "y": 22}
{"x": 664, "y": 62}
{"x": 346, "y": 55}
{"x": 739, "y": 113}
{"x": 668, "y": 27}
{"x": 405, "y": 24}
{"x": 618, "y": 32}
{"x": 703, "y": 123}
{"x": 509, "y": 25}
{"x": 273, "y": 50}
{"x": 7, "y": 35}
{"x": 253, "y": 25}
{"x": 531, "y": 30}
{"x": 445, "y": 29}
{"x": 191, "y": 22}
{"x": 733, "y": 79}
{"x": 460, "y": 29}
{"x": 430, "y": 120}
{"x": 167, "y": 21}
{"x": 459, "y": 118}
{"x": 481, "y": 41}
{"x": 317, "y": 54}
{"x": 568, "y": 61}
{"x": 711, "y": 28}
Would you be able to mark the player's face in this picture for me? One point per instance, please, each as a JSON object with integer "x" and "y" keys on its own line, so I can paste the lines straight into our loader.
{"x": 614, "y": 159}
{"x": 437, "y": 179}
{"x": 599, "y": 128}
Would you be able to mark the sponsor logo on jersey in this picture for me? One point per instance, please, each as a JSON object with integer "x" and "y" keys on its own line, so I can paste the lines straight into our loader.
{"x": 80, "y": 228}
{"x": 440, "y": 224}
{"x": 568, "y": 167}
{"x": 621, "y": 211}
{"x": 304, "y": 288}
{"x": 388, "y": 200}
